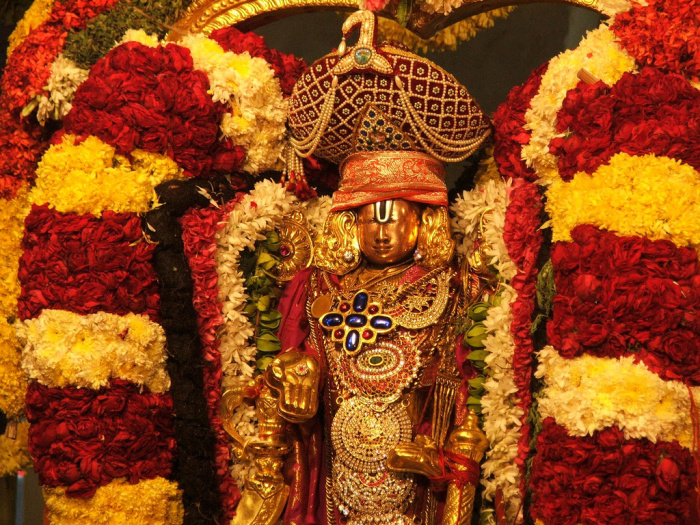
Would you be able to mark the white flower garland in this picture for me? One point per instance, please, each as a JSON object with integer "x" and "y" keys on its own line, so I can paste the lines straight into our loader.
{"x": 248, "y": 85}
{"x": 67, "y": 349}
{"x": 258, "y": 212}
{"x": 499, "y": 404}
{"x": 599, "y": 54}
{"x": 588, "y": 394}
{"x": 64, "y": 80}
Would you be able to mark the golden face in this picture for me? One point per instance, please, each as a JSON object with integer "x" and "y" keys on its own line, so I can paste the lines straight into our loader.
{"x": 388, "y": 230}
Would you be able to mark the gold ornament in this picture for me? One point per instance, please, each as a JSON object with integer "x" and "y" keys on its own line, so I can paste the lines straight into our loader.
{"x": 337, "y": 249}
{"x": 296, "y": 246}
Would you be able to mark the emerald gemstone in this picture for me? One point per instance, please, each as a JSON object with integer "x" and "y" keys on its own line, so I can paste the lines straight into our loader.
{"x": 363, "y": 55}
{"x": 376, "y": 360}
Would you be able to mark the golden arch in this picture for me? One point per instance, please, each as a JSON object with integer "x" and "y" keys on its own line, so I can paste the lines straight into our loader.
{"x": 204, "y": 16}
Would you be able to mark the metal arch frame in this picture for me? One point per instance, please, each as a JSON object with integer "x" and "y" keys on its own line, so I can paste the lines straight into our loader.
{"x": 205, "y": 16}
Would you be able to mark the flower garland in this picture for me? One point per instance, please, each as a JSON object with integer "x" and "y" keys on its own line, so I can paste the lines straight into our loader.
{"x": 605, "y": 478}
{"x": 175, "y": 116}
{"x": 89, "y": 177}
{"x": 60, "y": 89}
{"x": 84, "y": 265}
{"x": 624, "y": 202}
{"x": 627, "y": 296}
{"x": 62, "y": 348}
{"x": 599, "y": 54}
{"x": 199, "y": 229}
{"x": 649, "y": 112}
{"x": 509, "y": 123}
{"x": 644, "y": 31}
{"x": 258, "y": 110}
{"x": 14, "y": 453}
{"x": 83, "y": 439}
{"x": 588, "y": 394}
{"x": 287, "y": 68}
{"x": 33, "y": 17}
{"x": 12, "y": 378}
{"x": 523, "y": 237}
{"x": 21, "y": 147}
{"x": 501, "y": 411}
{"x": 149, "y": 502}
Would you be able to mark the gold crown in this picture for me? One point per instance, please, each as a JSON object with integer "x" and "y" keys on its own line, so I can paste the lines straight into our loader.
{"x": 381, "y": 98}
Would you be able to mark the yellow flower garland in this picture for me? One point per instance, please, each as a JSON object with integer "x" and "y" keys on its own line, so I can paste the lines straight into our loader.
{"x": 63, "y": 348}
{"x": 90, "y": 178}
{"x": 589, "y": 393}
{"x": 601, "y": 55}
{"x": 150, "y": 502}
{"x": 649, "y": 196}
{"x": 13, "y": 382}
{"x": 14, "y": 453}
{"x": 447, "y": 39}
{"x": 37, "y": 13}
{"x": 12, "y": 214}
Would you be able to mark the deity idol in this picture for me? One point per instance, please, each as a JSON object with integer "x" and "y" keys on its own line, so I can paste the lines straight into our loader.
{"x": 365, "y": 402}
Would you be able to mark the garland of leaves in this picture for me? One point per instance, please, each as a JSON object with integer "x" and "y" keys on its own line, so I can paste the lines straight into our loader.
{"x": 195, "y": 469}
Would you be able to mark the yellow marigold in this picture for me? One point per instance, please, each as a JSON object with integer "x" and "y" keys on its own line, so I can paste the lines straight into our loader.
{"x": 488, "y": 168}
{"x": 600, "y": 54}
{"x": 13, "y": 382}
{"x": 12, "y": 214}
{"x": 90, "y": 178}
{"x": 37, "y": 13}
{"x": 589, "y": 393}
{"x": 150, "y": 502}
{"x": 63, "y": 348}
{"x": 14, "y": 453}
{"x": 648, "y": 196}
{"x": 447, "y": 39}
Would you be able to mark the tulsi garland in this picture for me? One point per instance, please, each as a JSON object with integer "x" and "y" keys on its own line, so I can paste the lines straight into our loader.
{"x": 83, "y": 439}
{"x": 65, "y": 349}
{"x": 196, "y": 468}
{"x": 149, "y": 502}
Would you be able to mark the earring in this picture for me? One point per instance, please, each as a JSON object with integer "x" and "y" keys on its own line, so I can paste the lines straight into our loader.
{"x": 418, "y": 256}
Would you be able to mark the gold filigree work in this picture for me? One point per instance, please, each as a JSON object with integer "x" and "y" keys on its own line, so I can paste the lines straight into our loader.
{"x": 338, "y": 247}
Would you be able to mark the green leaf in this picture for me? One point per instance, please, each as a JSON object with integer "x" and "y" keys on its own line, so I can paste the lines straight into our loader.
{"x": 272, "y": 241}
{"x": 250, "y": 309}
{"x": 268, "y": 343}
{"x": 477, "y": 355}
{"x": 477, "y": 382}
{"x": 264, "y": 303}
{"x": 478, "y": 311}
{"x": 471, "y": 400}
{"x": 403, "y": 12}
{"x": 262, "y": 363}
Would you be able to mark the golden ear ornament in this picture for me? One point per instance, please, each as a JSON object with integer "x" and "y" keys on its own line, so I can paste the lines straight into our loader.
{"x": 337, "y": 249}
{"x": 435, "y": 242}
{"x": 296, "y": 246}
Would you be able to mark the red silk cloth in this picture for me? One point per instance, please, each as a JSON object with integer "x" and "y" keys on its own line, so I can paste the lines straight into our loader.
{"x": 370, "y": 177}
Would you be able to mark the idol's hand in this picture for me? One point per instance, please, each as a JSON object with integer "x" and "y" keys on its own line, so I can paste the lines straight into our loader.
{"x": 294, "y": 378}
{"x": 419, "y": 457}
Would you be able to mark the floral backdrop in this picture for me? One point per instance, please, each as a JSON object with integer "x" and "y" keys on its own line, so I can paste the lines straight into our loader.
{"x": 140, "y": 186}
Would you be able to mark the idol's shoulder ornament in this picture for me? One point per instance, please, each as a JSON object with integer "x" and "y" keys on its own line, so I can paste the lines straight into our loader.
{"x": 364, "y": 403}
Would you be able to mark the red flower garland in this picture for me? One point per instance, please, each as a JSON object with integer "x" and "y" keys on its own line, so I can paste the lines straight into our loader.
{"x": 650, "y": 112}
{"x": 85, "y": 265}
{"x": 510, "y": 133}
{"x": 153, "y": 99}
{"x": 199, "y": 229}
{"x": 83, "y": 439}
{"x": 288, "y": 68}
{"x": 606, "y": 479}
{"x": 621, "y": 296}
{"x": 523, "y": 238}
{"x": 663, "y": 34}
{"x": 21, "y": 146}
